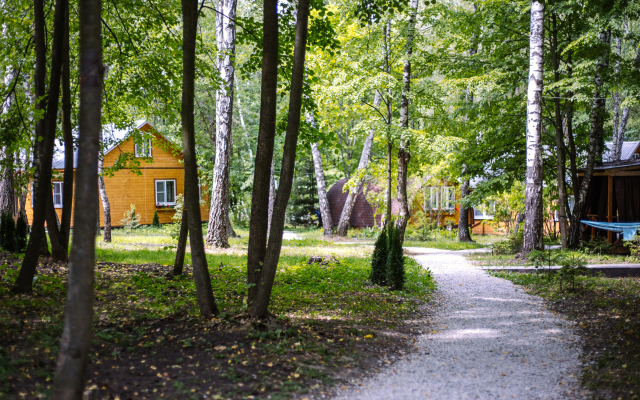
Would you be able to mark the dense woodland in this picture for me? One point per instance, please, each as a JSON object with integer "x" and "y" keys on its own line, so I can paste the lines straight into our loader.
{"x": 271, "y": 103}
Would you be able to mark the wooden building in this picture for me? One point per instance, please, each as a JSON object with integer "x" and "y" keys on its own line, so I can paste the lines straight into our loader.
{"x": 155, "y": 186}
{"x": 614, "y": 195}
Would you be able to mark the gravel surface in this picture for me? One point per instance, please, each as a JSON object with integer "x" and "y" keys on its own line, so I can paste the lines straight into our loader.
{"x": 488, "y": 339}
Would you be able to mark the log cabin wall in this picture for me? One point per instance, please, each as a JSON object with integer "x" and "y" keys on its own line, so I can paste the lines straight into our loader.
{"x": 126, "y": 187}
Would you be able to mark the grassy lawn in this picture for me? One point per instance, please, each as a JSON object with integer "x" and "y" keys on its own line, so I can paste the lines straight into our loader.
{"x": 489, "y": 259}
{"x": 607, "y": 311}
{"x": 328, "y": 323}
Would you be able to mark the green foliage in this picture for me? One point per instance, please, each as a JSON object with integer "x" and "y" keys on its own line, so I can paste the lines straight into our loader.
{"x": 395, "y": 260}
{"x": 156, "y": 219}
{"x": 131, "y": 220}
{"x": 379, "y": 259}
{"x": 596, "y": 245}
{"x": 302, "y": 205}
{"x": 571, "y": 266}
{"x": 21, "y": 233}
{"x": 8, "y": 232}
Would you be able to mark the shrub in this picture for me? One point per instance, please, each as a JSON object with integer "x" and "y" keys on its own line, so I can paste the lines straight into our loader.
{"x": 8, "y": 232}
{"x": 156, "y": 220}
{"x": 131, "y": 220}
{"x": 379, "y": 259}
{"x": 597, "y": 245}
{"x": 395, "y": 263}
{"x": 21, "y": 233}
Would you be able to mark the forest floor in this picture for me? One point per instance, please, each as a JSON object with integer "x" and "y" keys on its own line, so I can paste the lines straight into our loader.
{"x": 329, "y": 328}
{"x": 606, "y": 309}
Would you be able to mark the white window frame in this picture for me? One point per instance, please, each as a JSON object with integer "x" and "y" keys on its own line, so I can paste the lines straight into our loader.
{"x": 434, "y": 197}
{"x": 484, "y": 211}
{"x": 448, "y": 198}
{"x": 57, "y": 201}
{"x": 140, "y": 150}
{"x": 164, "y": 184}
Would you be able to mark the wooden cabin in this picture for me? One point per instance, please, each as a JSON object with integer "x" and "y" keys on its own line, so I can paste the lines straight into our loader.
{"x": 614, "y": 193}
{"x": 159, "y": 181}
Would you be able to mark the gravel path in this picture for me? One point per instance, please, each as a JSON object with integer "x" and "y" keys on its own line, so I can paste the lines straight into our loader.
{"x": 492, "y": 341}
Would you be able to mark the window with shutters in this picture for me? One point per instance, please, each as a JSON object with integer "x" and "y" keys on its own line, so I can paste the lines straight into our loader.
{"x": 57, "y": 194}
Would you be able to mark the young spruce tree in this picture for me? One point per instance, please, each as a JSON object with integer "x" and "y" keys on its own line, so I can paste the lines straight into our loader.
{"x": 156, "y": 220}
{"x": 395, "y": 260}
{"x": 379, "y": 259}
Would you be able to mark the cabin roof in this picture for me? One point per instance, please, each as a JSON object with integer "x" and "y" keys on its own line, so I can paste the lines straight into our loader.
{"x": 628, "y": 149}
{"x": 112, "y": 137}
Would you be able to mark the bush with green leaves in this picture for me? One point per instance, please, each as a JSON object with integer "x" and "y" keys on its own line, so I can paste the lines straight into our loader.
{"x": 156, "y": 220}
{"x": 395, "y": 263}
{"x": 8, "y": 232}
{"x": 22, "y": 230}
{"x": 597, "y": 245}
{"x": 379, "y": 259}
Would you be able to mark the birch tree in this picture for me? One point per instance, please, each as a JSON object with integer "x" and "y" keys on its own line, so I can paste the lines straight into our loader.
{"x": 533, "y": 194}
{"x": 219, "y": 223}
{"x": 325, "y": 212}
{"x": 106, "y": 206}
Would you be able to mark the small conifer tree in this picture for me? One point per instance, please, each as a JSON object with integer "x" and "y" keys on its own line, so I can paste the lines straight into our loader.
{"x": 21, "y": 233}
{"x": 131, "y": 220}
{"x": 379, "y": 259}
{"x": 156, "y": 220}
{"x": 9, "y": 231}
{"x": 395, "y": 260}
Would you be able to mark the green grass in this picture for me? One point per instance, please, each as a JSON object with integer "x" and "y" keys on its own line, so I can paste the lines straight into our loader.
{"x": 488, "y": 259}
{"x": 443, "y": 244}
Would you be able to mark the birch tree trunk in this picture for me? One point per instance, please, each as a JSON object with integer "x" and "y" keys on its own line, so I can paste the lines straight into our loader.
{"x": 325, "y": 212}
{"x": 350, "y": 202}
{"x": 404, "y": 155}
{"x": 617, "y": 140}
{"x": 219, "y": 223}
{"x": 258, "y": 223}
{"x": 533, "y": 196}
{"x": 596, "y": 133}
{"x": 387, "y": 44}
{"x": 204, "y": 292}
{"x": 7, "y": 192}
{"x": 272, "y": 194}
{"x": 260, "y": 306}
{"x": 106, "y": 206}
{"x": 78, "y": 319}
{"x": 560, "y": 158}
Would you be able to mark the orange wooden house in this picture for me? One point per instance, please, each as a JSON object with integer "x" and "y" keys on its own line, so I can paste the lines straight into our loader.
{"x": 159, "y": 181}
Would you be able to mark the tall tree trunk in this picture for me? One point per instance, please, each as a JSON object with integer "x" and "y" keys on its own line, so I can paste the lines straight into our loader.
{"x": 181, "y": 249}
{"x": 45, "y": 136}
{"x": 533, "y": 196}
{"x": 560, "y": 159}
{"x": 350, "y": 202}
{"x": 617, "y": 144}
{"x": 106, "y": 206}
{"x": 67, "y": 186}
{"x": 272, "y": 193}
{"x": 387, "y": 44}
{"x": 78, "y": 317}
{"x": 325, "y": 212}
{"x": 206, "y": 301}
{"x": 7, "y": 192}
{"x": 260, "y": 306}
{"x": 404, "y": 155}
{"x": 258, "y": 223}
{"x": 596, "y": 133}
{"x": 621, "y": 128}
{"x": 217, "y": 232}
{"x": 464, "y": 230}
{"x": 241, "y": 115}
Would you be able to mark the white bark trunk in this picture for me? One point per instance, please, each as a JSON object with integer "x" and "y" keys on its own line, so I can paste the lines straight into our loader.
{"x": 272, "y": 194}
{"x": 106, "y": 206}
{"x": 533, "y": 195}
{"x": 219, "y": 223}
{"x": 325, "y": 213}
{"x": 345, "y": 216}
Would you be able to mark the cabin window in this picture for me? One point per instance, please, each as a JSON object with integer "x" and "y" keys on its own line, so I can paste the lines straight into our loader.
{"x": 484, "y": 211}
{"x": 143, "y": 148}
{"x": 442, "y": 197}
{"x": 166, "y": 192}
{"x": 57, "y": 194}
